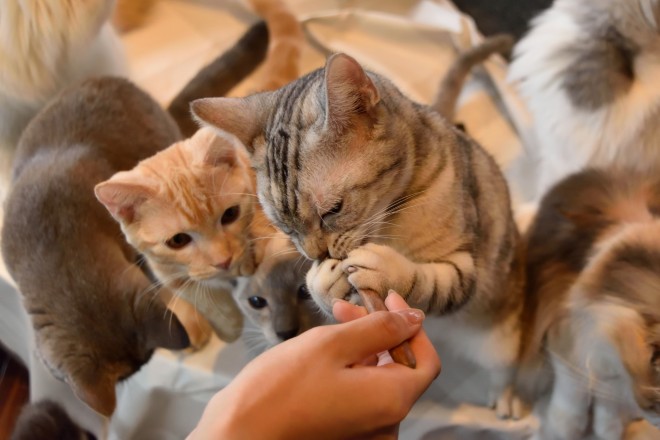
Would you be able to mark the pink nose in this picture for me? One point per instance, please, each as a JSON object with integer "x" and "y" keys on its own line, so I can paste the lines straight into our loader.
{"x": 223, "y": 265}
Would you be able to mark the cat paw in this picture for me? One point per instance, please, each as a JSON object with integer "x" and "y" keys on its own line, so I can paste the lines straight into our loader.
{"x": 379, "y": 268}
{"x": 326, "y": 281}
{"x": 197, "y": 327}
{"x": 509, "y": 406}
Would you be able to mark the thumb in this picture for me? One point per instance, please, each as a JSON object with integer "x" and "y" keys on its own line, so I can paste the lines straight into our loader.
{"x": 376, "y": 332}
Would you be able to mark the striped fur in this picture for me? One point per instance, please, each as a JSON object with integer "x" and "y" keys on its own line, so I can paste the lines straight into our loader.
{"x": 384, "y": 193}
{"x": 593, "y": 309}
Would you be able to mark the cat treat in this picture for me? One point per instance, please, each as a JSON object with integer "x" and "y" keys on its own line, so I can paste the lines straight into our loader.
{"x": 401, "y": 354}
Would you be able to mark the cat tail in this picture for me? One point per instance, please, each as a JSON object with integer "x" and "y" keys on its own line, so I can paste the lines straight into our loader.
{"x": 287, "y": 38}
{"x": 452, "y": 83}
{"x": 221, "y": 75}
{"x": 131, "y": 14}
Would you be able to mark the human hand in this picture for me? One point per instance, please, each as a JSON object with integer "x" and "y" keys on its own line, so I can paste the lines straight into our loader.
{"x": 323, "y": 384}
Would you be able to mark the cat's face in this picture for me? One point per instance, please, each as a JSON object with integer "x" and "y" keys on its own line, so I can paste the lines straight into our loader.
{"x": 341, "y": 167}
{"x": 276, "y": 300}
{"x": 188, "y": 210}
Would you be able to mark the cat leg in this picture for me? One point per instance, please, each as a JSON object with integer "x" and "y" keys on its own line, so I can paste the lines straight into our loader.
{"x": 609, "y": 419}
{"x": 440, "y": 287}
{"x": 326, "y": 281}
{"x": 197, "y": 327}
{"x": 567, "y": 416}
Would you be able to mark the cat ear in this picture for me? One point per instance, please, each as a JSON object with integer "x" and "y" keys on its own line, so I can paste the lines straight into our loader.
{"x": 349, "y": 91}
{"x": 214, "y": 148}
{"x": 123, "y": 193}
{"x": 244, "y": 118}
{"x": 98, "y": 394}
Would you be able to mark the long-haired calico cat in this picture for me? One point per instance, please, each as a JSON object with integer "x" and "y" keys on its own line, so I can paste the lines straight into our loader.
{"x": 593, "y": 303}
{"x": 385, "y": 193}
{"x": 589, "y": 71}
{"x": 275, "y": 299}
{"x": 204, "y": 186}
{"x": 96, "y": 315}
{"x": 44, "y": 48}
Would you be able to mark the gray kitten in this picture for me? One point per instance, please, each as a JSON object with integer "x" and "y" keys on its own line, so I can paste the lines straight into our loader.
{"x": 275, "y": 299}
{"x": 47, "y": 420}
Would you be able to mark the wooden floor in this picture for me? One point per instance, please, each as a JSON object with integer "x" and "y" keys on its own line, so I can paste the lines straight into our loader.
{"x": 14, "y": 392}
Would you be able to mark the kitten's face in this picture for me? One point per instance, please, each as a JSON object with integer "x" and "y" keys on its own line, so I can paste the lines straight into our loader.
{"x": 341, "y": 166}
{"x": 188, "y": 210}
{"x": 276, "y": 299}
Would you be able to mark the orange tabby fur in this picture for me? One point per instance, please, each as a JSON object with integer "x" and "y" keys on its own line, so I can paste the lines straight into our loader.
{"x": 130, "y": 14}
{"x": 282, "y": 63}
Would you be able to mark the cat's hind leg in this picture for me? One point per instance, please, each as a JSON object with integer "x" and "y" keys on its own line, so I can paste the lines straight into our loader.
{"x": 567, "y": 415}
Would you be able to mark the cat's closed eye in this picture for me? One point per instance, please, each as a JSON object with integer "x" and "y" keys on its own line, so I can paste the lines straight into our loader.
{"x": 336, "y": 209}
{"x": 230, "y": 215}
{"x": 257, "y": 302}
{"x": 303, "y": 292}
{"x": 178, "y": 241}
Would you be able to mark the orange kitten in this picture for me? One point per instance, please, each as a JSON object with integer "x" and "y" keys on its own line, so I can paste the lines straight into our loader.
{"x": 191, "y": 211}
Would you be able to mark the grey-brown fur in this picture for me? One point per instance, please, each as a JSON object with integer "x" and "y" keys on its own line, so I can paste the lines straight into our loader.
{"x": 95, "y": 318}
{"x": 452, "y": 83}
{"x": 47, "y": 420}
{"x": 276, "y": 300}
{"x": 384, "y": 193}
{"x": 592, "y": 309}
{"x": 615, "y": 33}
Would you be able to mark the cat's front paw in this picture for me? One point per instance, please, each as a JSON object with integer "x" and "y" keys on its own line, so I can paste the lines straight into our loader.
{"x": 380, "y": 268}
{"x": 326, "y": 281}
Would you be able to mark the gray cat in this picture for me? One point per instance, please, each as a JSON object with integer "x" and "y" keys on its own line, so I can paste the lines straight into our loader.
{"x": 97, "y": 316}
{"x": 47, "y": 420}
{"x": 384, "y": 193}
{"x": 276, "y": 300}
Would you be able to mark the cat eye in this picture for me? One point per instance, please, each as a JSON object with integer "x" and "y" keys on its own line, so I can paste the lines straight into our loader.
{"x": 303, "y": 292}
{"x": 334, "y": 210}
{"x": 230, "y": 215}
{"x": 257, "y": 302}
{"x": 178, "y": 241}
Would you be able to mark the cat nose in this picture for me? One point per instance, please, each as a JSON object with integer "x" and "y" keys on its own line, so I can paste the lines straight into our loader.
{"x": 288, "y": 334}
{"x": 223, "y": 265}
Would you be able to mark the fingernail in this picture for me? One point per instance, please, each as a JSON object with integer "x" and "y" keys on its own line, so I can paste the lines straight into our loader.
{"x": 391, "y": 292}
{"x": 413, "y": 316}
{"x": 350, "y": 269}
{"x": 335, "y": 301}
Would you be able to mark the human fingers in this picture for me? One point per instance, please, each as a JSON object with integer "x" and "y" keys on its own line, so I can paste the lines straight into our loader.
{"x": 376, "y": 332}
{"x": 344, "y": 311}
{"x": 427, "y": 357}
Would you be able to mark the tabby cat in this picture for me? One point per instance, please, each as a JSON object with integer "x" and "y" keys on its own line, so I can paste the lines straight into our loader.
{"x": 191, "y": 211}
{"x": 384, "y": 193}
{"x": 593, "y": 309}
{"x": 275, "y": 299}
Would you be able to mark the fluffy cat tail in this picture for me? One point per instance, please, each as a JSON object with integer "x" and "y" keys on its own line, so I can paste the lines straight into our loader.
{"x": 452, "y": 83}
{"x": 221, "y": 75}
